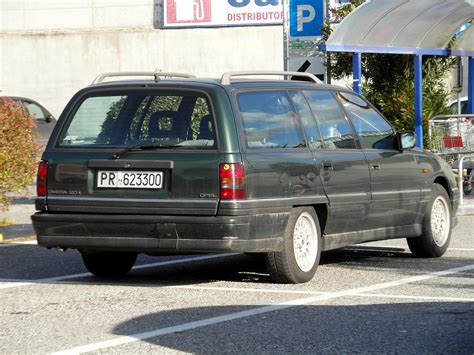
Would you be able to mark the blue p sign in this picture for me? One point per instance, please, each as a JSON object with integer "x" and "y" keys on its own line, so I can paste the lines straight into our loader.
{"x": 306, "y": 17}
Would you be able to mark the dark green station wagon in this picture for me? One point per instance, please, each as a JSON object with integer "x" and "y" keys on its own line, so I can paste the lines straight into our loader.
{"x": 286, "y": 168}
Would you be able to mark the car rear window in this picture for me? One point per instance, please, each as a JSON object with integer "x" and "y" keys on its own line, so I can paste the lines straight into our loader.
{"x": 181, "y": 119}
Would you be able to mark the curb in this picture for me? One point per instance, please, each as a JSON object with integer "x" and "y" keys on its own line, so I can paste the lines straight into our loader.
{"x": 465, "y": 210}
{"x": 16, "y": 231}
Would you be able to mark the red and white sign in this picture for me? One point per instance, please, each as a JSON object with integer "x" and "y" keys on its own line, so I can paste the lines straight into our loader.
{"x": 182, "y": 12}
{"x": 217, "y": 13}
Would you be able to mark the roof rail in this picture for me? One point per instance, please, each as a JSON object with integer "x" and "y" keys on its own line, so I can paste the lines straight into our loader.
{"x": 225, "y": 80}
{"x": 156, "y": 74}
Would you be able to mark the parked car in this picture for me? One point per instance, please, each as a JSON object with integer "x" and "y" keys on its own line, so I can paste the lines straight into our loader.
{"x": 283, "y": 168}
{"x": 45, "y": 121}
{"x": 454, "y": 106}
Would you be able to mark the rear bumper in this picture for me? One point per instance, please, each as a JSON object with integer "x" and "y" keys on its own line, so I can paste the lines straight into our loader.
{"x": 161, "y": 234}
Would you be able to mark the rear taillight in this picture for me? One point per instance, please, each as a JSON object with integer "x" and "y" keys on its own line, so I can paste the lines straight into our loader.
{"x": 42, "y": 179}
{"x": 232, "y": 181}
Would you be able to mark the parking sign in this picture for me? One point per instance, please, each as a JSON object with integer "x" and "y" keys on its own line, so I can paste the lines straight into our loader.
{"x": 306, "y": 18}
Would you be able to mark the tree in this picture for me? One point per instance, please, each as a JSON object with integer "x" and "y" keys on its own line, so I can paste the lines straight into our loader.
{"x": 19, "y": 151}
{"x": 389, "y": 79}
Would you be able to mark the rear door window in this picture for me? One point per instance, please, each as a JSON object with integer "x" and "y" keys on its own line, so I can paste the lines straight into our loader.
{"x": 269, "y": 120}
{"x": 167, "y": 119}
{"x": 335, "y": 129}
{"x": 313, "y": 135}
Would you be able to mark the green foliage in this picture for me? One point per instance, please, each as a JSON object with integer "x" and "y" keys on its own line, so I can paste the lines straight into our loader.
{"x": 19, "y": 151}
{"x": 200, "y": 110}
{"x": 388, "y": 80}
{"x": 107, "y": 127}
{"x": 395, "y": 97}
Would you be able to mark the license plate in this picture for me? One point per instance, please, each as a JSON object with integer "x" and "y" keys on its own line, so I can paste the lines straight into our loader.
{"x": 130, "y": 179}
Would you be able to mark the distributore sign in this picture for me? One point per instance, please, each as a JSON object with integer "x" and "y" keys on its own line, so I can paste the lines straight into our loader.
{"x": 218, "y": 13}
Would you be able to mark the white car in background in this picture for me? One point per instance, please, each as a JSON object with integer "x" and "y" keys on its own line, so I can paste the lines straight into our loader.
{"x": 454, "y": 106}
{"x": 44, "y": 120}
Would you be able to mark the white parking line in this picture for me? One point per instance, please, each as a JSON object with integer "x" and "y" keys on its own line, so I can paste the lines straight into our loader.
{"x": 15, "y": 244}
{"x": 303, "y": 292}
{"x": 392, "y": 248}
{"x": 252, "y": 290}
{"x": 422, "y": 298}
{"x": 4, "y": 285}
{"x": 256, "y": 311}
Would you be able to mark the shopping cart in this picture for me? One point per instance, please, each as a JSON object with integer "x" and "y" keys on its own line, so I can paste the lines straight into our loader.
{"x": 451, "y": 134}
{"x": 452, "y": 138}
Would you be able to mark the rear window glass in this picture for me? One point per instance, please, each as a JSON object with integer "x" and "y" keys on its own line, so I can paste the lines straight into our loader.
{"x": 168, "y": 119}
{"x": 269, "y": 120}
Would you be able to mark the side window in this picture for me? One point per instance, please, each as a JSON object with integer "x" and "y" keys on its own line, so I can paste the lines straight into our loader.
{"x": 373, "y": 130}
{"x": 35, "y": 111}
{"x": 311, "y": 128}
{"x": 269, "y": 120}
{"x": 336, "y": 131}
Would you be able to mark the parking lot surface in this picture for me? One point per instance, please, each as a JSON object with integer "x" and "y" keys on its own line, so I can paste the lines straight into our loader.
{"x": 371, "y": 298}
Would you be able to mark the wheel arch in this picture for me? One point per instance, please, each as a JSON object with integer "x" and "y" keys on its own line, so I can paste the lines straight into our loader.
{"x": 441, "y": 180}
{"x": 322, "y": 213}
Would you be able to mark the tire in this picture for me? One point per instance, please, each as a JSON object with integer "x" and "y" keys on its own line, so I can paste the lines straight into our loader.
{"x": 436, "y": 235}
{"x": 467, "y": 188}
{"x": 109, "y": 264}
{"x": 295, "y": 264}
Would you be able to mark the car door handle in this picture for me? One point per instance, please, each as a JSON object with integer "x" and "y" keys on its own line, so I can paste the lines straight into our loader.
{"x": 375, "y": 166}
{"x": 327, "y": 165}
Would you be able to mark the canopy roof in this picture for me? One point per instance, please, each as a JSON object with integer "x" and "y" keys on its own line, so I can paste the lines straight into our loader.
{"x": 423, "y": 27}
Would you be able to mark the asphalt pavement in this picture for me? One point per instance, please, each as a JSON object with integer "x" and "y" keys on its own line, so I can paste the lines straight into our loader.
{"x": 371, "y": 298}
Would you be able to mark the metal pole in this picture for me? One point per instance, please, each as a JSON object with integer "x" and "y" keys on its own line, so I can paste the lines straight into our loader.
{"x": 286, "y": 35}
{"x": 357, "y": 72}
{"x": 418, "y": 62}
{"x": 459, "y": 106}
{"x": 459, "y": 83}
{"x": 461, "y": 176}
{"x": 470, "y": 86}
{"x": 328, "y": 54}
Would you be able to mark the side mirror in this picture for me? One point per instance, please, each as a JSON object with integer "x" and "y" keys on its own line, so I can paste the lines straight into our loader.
{"x": 406, "y": 141}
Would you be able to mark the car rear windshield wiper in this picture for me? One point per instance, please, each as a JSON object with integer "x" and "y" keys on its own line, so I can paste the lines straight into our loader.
{"x": 144, "y": 147}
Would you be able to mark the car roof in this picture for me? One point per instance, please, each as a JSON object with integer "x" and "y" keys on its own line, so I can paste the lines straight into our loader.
{"x": 210, "y": 82}
{"x": 229, "y": 81}
{"x": 22, "y": 98}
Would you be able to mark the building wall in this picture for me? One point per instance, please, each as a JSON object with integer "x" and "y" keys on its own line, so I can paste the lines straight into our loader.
{"x": 49, "y": 49}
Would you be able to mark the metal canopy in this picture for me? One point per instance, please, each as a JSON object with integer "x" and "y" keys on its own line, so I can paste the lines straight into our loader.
{"x": 464, "y": 45}
{"x": 421, "y": 27}
{"x": 416, "y": 27}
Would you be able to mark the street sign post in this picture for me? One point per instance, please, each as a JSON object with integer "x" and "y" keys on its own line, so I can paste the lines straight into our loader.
{"x": 302, "y": 30}
{"x": 306, "y": 18}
